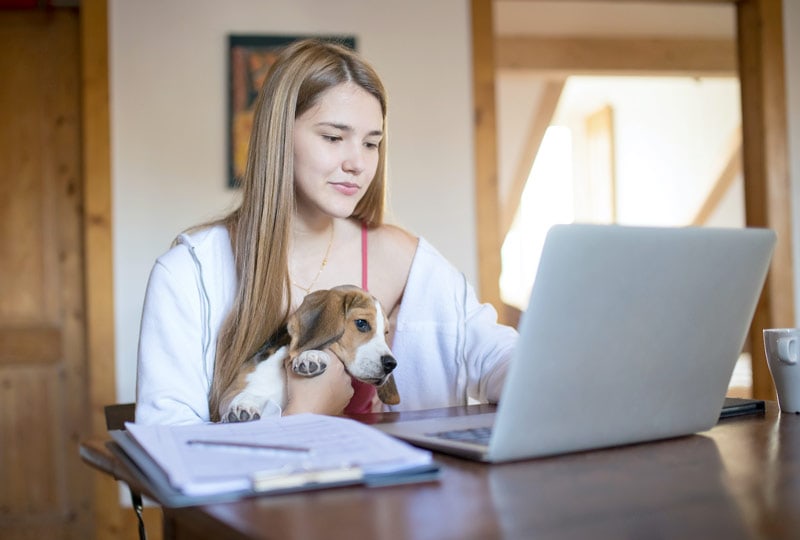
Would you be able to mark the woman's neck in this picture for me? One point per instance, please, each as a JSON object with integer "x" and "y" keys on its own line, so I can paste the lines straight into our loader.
{"x": 309, "y": 233}
{"x": 312, "y": 243}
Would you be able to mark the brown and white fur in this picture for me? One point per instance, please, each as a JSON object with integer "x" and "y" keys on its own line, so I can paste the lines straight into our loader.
{"x": 346, "y": 320}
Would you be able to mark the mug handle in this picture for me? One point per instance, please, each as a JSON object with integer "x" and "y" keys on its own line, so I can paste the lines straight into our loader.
{"x": 787, "y": 350}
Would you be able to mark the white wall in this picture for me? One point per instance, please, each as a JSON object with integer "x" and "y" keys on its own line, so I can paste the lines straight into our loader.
{"x": 672, "y": 139}
{"x": 168, "y": 107}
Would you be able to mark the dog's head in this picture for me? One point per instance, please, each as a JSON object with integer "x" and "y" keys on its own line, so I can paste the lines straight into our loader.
{"x": 353, "y": 325}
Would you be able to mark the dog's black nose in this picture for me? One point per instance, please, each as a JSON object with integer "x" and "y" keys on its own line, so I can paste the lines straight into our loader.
{"x": 389, "y": 363}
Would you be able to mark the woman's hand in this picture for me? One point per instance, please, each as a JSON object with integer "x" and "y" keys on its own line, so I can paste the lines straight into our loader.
{"x": 326, "y": 393}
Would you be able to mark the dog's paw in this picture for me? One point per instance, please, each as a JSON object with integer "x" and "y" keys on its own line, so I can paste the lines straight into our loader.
{"x": 310, "y": 363}
{"x": 243, "y": 408}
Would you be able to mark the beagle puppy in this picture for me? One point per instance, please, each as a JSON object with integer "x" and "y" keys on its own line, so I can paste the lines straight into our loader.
{"x": 346, "y": 320}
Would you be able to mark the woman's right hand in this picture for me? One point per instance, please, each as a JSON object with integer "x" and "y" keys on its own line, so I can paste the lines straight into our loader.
{"x": 326, "y": 393}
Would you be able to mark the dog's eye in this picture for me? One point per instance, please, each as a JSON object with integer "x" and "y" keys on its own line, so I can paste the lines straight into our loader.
{"x": 362, "y": 325}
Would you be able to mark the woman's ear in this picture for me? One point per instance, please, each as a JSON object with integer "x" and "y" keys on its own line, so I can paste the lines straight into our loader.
{"x": 317, "y": 322}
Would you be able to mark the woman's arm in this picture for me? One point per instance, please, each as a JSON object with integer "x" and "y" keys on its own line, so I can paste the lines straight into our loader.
{"x": 488, "y": 349}
{"x": 449, "y": 346}
{"x": 172, "y": 378}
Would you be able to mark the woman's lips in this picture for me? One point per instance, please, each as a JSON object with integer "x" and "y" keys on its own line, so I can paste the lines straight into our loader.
{"x": 346, "y": 188}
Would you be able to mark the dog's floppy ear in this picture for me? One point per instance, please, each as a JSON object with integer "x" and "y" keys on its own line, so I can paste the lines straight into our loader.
{"x": 317, "y": 322}
{"x": 388, "y": 393}
{"x": 352, "y": 297}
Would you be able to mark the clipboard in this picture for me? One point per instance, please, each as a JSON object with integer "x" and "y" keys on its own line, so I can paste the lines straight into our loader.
{"x": 150, "y": 475}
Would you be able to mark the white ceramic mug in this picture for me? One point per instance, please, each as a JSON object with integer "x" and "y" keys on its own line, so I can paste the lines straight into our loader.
{"x": 782, "y": 347}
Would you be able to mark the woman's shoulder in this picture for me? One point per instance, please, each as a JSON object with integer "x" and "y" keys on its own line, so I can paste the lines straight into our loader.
{"x": 401, "y": 246}
{"x": 391, "y": 253}
{"x": 393, "y": 238}
{"x": 206, "y": 243}
{"x": 207, "y": 237}
{"x": 394, "y": 249}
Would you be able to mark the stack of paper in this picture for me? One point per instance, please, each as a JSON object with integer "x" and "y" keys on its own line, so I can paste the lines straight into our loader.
{"x": 219, "y": 461}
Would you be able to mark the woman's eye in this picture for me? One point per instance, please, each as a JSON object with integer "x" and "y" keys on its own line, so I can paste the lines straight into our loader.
{"x": 362, "y": 325}
{"x": 371, "y": 146}
{"x": 331, "y": 138}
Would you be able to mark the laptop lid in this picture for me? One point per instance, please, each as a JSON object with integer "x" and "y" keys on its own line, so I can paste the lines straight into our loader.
{"x": 631, "y": 334}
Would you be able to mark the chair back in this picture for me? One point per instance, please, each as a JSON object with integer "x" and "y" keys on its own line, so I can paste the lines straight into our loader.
{"x": 118, "y": 414}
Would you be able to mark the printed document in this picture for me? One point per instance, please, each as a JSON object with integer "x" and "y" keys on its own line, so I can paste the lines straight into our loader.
{"x": 274, "y": 452}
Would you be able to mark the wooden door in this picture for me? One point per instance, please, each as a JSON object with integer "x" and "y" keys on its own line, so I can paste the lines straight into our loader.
{"x": 44, "y": 487}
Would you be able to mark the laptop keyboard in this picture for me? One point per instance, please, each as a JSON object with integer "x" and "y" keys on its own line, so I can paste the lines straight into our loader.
{"x": 472, "y": 435}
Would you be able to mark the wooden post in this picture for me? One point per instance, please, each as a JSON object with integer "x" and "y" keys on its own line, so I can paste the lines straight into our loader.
{"x": 486, "y": 181}
{"x": 765, "y": 164}
{"x": 96, "y": 140}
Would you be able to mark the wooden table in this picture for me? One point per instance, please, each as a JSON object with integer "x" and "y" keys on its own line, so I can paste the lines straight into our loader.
{"x": 741, "y": 479}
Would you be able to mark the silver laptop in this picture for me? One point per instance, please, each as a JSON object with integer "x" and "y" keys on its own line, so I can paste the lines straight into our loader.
{"x": 631, "y": 334}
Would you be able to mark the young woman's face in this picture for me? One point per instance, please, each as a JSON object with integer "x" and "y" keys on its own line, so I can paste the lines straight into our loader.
{"x": 336, "y": 150}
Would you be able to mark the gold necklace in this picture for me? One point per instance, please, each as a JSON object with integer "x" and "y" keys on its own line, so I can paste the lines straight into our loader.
{"x": 322, "y": 266}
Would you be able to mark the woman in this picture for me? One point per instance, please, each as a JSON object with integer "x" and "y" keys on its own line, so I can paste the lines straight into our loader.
{"x": 311, "y": 218}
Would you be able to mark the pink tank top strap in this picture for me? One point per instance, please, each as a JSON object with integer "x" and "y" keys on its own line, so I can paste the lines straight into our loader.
{"x": 363, "y": 393}
{"x": 364, "y": 282}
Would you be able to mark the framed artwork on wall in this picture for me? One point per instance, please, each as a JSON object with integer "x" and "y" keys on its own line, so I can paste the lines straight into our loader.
{"x": 249, "y": 60}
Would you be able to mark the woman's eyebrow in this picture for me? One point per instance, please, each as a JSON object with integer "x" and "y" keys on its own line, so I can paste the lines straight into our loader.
{"x": 345, "y": 127}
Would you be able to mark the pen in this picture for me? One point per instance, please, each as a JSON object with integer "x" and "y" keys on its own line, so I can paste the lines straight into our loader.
{"x": 258, "y": 446}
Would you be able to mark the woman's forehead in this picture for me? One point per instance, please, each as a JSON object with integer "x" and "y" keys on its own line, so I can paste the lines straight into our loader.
{"x": 346, "y": 103}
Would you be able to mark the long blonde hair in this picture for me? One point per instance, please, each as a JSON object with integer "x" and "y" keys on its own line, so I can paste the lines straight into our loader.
{"x": 259, "y": 228}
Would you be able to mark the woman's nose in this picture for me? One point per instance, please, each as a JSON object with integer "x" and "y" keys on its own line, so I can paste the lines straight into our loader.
{"x": 354, "y": 161}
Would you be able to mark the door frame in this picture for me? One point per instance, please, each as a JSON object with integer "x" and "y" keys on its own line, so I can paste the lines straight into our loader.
{"x": 108, "y": 517}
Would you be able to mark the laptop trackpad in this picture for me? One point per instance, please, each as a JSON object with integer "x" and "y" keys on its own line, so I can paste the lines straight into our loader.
{"x": 428, "y": 427}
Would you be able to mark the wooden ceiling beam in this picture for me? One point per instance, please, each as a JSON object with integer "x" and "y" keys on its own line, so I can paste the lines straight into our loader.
{"x": 594, "y": 55}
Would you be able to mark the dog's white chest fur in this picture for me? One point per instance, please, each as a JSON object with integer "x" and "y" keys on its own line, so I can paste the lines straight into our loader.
{"x": 264, "y": 384}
